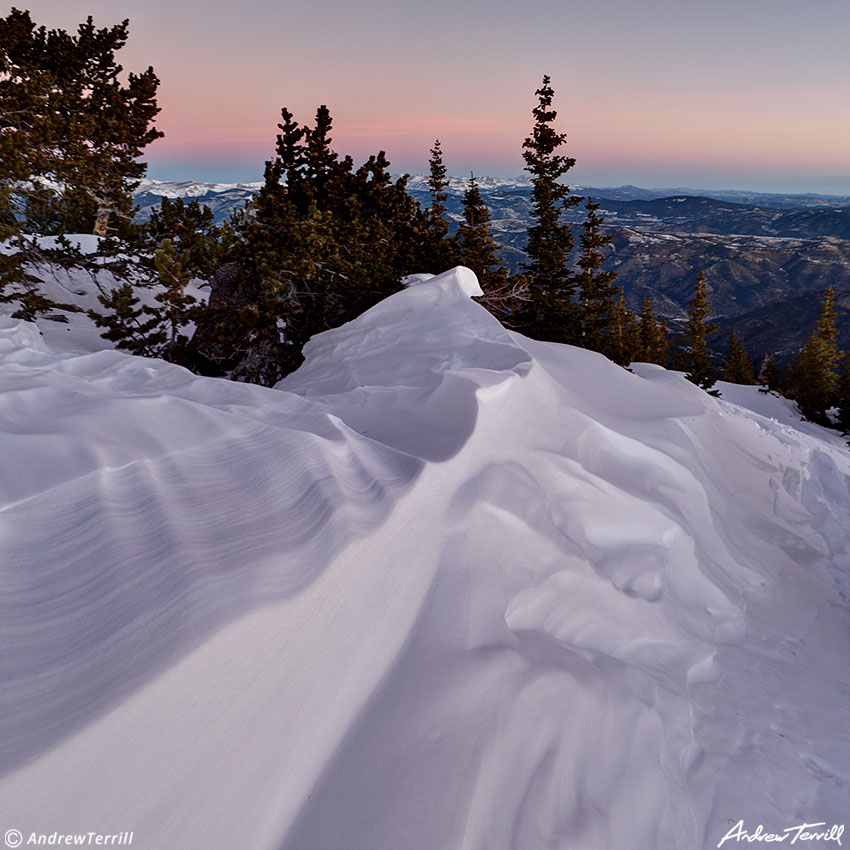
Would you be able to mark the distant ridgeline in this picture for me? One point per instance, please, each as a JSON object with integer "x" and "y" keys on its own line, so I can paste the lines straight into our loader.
{"x": 758, "y": 251}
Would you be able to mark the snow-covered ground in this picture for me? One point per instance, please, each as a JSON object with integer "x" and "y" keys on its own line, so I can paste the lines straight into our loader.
{"x": 445, "y": 588}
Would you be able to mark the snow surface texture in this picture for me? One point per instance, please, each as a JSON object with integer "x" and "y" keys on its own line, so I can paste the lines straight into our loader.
{"x": 445, "y": 587}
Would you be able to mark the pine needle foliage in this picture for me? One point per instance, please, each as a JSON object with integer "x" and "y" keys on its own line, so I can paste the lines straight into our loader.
{"x": 130, "y": 324}
{"x": 551, "y": 313}
{"x": 72, "y": 129}
{"x": 770, "y": 375}
{"x": 190, "y": 227}
{"x": 700, "y": 369}
{"x": 476, "y": 248}
{"x": 622, "y": 340}
{"x": 71, "y": 132}
{"x": 597, "y": 294}
{"x": 812, "y": 379}
{"x": 738, "y": 367}
{"x": 842, "y": 399}
{"x": 654, "y": 339}
{"x": 323, "y": 242}
{"x": 439, "y": 250}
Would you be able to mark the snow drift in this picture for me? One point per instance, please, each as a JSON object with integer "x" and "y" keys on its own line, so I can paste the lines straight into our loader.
{"x": 445, "y": 587}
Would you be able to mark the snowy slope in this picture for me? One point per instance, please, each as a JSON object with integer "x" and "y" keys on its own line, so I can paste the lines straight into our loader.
{"x": 445, "y": 587}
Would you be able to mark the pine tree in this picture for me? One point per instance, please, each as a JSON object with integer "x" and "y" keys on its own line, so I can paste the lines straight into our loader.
{"x": 129, "y": 323}
{"x": 700, "y": 369}
{"x": 813, "y": 377}
{"x": 770, "y": 376}
{"x": 842, "y": 399}
{"x": 154, "y": 330}
{"x": 438, "y": 249}
{"x": 552, "y": 314}
{"x": 827, "y": 332}
{"x": 654, "y": 341}
{"x": 71, "y": 133}
{"x": 286, "y": 170}
{"x": 596, "y": 290}
{"x": 476, "y": 247}
{"x": 321, "y": 162}
{"x": 322, "y": 243}
{"x": 738, "y": 368}
{"x": 12, "y": 279}
{"x": 437, "y": 181}
{"x": 177, "y": 308}
{"x": 190, "y": 227}
{"x": 622, "y": 341}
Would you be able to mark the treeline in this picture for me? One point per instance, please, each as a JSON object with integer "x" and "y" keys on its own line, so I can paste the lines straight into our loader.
{"x": 323, "y": 240}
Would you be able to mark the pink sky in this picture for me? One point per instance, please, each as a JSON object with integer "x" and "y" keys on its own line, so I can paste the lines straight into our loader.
{"x": 745, "y": 94}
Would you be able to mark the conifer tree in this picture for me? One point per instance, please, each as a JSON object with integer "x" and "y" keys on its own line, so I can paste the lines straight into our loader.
{"x": 738, "y": 368}
{"x": 700, "y": 369}
{"x": 596, "y": 290}
{"x": 154, "y": 330}
{"x": 437, "y": 181}
{"x": 190, "y": 227}
{"x": 286, "y": 170}
{"x": 654, "y": 342}
{"x": 129, "y": 323}
{"x": 322, "y": 243}
{"x": 622, "y": 341}
{"x": 813, "y": 377}
{"x": 71, "y": 132}
{"x": 181, "y": 243}
{"x": 552, "y": 312}
{"x": 70, "y": 136}
{"x": 438, "y": 253}
{"x": 842, "y": 399}
{"x": 177, "y": 308}
{"x": 770, "y": 376}
{"x": 321, "y": 162}
{"x": 476, "y": 247}
{"x": 12, "y": 282}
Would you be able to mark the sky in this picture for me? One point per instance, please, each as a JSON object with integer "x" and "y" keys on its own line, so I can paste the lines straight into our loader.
{"x": 746, "y": 94}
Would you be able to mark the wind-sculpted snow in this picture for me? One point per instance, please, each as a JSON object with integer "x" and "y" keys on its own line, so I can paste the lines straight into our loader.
{"x": 143, "y": 508}
{"x": 446, "y": 587}
{"x": 408, "y": 384}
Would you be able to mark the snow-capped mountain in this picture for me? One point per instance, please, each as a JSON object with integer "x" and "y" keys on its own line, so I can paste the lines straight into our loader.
{"x": 457, "y": 185}
{"x": 444, "y": 587}
{"x": 222, "y": 198}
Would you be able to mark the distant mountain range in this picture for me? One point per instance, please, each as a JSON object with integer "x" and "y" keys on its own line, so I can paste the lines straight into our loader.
{"x": 221, "y": 198}
{"x": 500, "y": 191}
{"x": 761, "y": 253}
